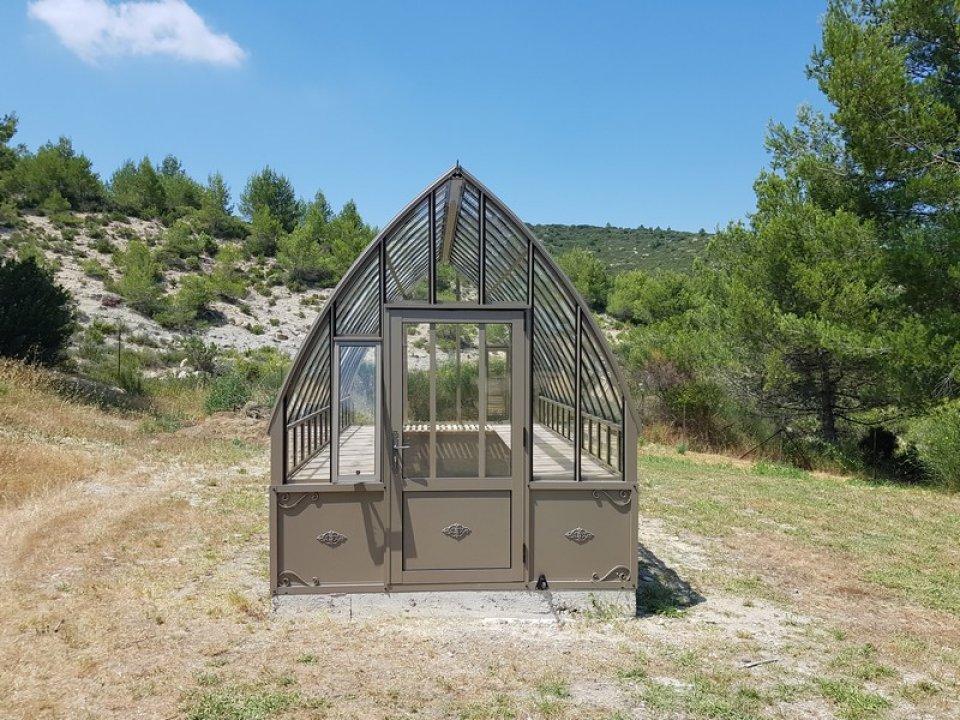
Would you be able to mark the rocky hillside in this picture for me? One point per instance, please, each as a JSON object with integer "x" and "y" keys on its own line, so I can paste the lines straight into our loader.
{"x": 86, "y": 251}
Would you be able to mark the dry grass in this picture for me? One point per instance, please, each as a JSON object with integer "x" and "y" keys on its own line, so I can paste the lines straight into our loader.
{"x": 140, "y": 590}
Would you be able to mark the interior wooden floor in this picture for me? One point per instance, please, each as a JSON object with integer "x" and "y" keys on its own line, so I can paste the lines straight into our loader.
{"x": 552, "y": 454}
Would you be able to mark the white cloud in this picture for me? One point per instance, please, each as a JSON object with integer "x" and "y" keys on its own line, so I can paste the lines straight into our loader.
{"x": 95, "y": 29}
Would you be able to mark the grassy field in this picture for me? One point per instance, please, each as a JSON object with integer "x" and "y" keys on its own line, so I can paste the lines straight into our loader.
{"x": 134, "y": 584}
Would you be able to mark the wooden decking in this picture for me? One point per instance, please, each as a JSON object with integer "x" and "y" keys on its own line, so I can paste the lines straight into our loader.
{"x": 552, "y": 454}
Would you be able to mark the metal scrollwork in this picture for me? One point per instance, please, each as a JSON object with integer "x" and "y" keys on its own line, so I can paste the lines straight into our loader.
{"x": 332, "y": 538}
{"x": 286, "y": 578}
{"x": 579, "y": 535}
{"x": 620, "y": 572}
{"x": 624, "y": 497}
{"x": 284, "y": 499}
{"x": 456, "y": 531}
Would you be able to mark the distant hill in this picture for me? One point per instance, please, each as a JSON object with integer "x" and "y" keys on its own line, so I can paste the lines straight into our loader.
{"x": 624, "y": 249}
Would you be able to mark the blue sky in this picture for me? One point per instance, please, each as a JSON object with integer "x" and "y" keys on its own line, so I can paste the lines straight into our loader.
{"x": 626, "y": 113}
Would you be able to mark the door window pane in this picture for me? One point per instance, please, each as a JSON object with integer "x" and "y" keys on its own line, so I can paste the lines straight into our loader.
{"x": 457, "y": 420}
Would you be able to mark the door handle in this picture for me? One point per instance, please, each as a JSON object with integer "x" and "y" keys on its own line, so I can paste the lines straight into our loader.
{"x": 396, "y": 442}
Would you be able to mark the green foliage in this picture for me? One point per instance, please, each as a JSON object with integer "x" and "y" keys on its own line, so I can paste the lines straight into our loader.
{"x": 803, "y": 294}
{"x": 188, "y": 304}
{"x": 9, "y": 215}
{"x": 36, "y": 317}
{"x": 302, "y": 258}
{"x": 240, "y": 703}
{"x": 937, "y": 440}
{"x": 646, "y": 299}
{"x": 349, "y": 235}
{"x": 215, "y": 213}
{"x": 94, "y": 268}
{"x": 8, "y": 155}
{"x": 269, "y": 191}
{"x": 623, "y": 249}
{"x": 588, "y": 275}
{"x": 266, "y": 232}
{"x": 230, "y": 391}
{"x": 181, "y": 192}
{"x": 55, "y": 168}
{"x": 139, "y": 282}
{"x": 227, "y": 280}
{"x": 200, "y": 355}
{"x": 138, "y": 190}
{"x": 182, "y": 243}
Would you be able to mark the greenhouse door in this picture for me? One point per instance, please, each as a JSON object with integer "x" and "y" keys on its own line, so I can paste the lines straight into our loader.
{"x": 456, "y": 409}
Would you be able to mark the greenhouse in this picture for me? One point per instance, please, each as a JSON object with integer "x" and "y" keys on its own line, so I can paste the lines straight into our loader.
{"x": 454, "y": 419}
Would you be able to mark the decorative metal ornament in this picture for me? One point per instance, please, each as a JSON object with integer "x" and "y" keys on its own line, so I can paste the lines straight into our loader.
{"x": 620, "y": 572}
{"x": 332, "y": 538}
{"x": 288, "y": 501}
{"x": 624, "y": 497}
{"x": 579, "y": 535}
{"x": 456, "y": 531}
{"x": 288, "y": 578}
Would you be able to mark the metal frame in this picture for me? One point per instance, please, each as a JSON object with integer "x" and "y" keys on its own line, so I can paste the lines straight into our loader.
{"x": 557, "y": 348}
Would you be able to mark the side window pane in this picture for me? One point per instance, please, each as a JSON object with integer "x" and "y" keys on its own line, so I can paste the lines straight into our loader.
{"x": 357, "y": 409}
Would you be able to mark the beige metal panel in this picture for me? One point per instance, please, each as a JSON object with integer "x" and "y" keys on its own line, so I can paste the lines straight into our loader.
{"x": 583, "y": 535}
{"x": 456, "y": 530}
{"x": 328, "y": 538}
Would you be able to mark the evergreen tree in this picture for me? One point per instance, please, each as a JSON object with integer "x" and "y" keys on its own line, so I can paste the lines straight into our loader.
{"x": 270, "y": 191}
{"x": 36, "y": 315}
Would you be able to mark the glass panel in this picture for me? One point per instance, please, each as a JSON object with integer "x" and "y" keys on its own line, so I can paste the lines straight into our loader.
{"x": 408, "y": 257}
{"x": 499, "y": 396}
{"x": 418, "y": 359}
{"x": 308, "y": 421}
{"x": 457, "y": 395}
{"x": 358, "y": 309}
{"x": 602, "y": 422}
{"x": 505, "y": 258}
{"x": 554, "y": 376}
{"x": 357, "y": 412}
{"x": 458, "y": 249}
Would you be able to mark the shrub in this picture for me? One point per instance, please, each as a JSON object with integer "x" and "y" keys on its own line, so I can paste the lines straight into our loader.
{"x": 9, "y": 215}
{"x": 228, "y": 392}
{"x": 937, "y": 440}
{"x": 139, "y": 282}
{"x": 36, "y": 317}
{"x": 184, "y": 307}
{"x": 199, "y": 355}
{"x": 180, "y": 242}
{"x": 95, "y": 269}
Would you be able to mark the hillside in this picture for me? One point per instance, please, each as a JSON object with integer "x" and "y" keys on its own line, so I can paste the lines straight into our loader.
{"x": 640, "y": 248}
{"x": 135, "y": 585}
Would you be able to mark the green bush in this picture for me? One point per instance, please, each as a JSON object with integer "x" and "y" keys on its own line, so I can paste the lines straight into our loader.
{"x": 227, "y": 392}
{"x": 937, "y": 440}
{"x": 188, "y": 304}
{"x": 36, "y": 315}
{"x": 95, "y": 269}
{"x": 139, "y": 282}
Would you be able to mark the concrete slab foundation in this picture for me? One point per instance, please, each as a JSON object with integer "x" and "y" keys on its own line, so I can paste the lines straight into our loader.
{"x": 548, "y": 606}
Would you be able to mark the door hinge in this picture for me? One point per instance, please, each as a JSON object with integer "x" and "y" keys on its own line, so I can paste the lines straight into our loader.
{"x": 524, "y": 553}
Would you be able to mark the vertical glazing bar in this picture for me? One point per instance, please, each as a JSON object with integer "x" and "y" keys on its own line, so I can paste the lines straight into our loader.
{"x": 432, "y": 248}
{"x": 433, "y": 400}
{"x": 482, "y": 390}
{"x": 286, "y": 440}
{"x": 578, "y": 431}
{"x": 621, "y": 435}
{"x": 335, "y": 403}
{"x": 483, "y": 249}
